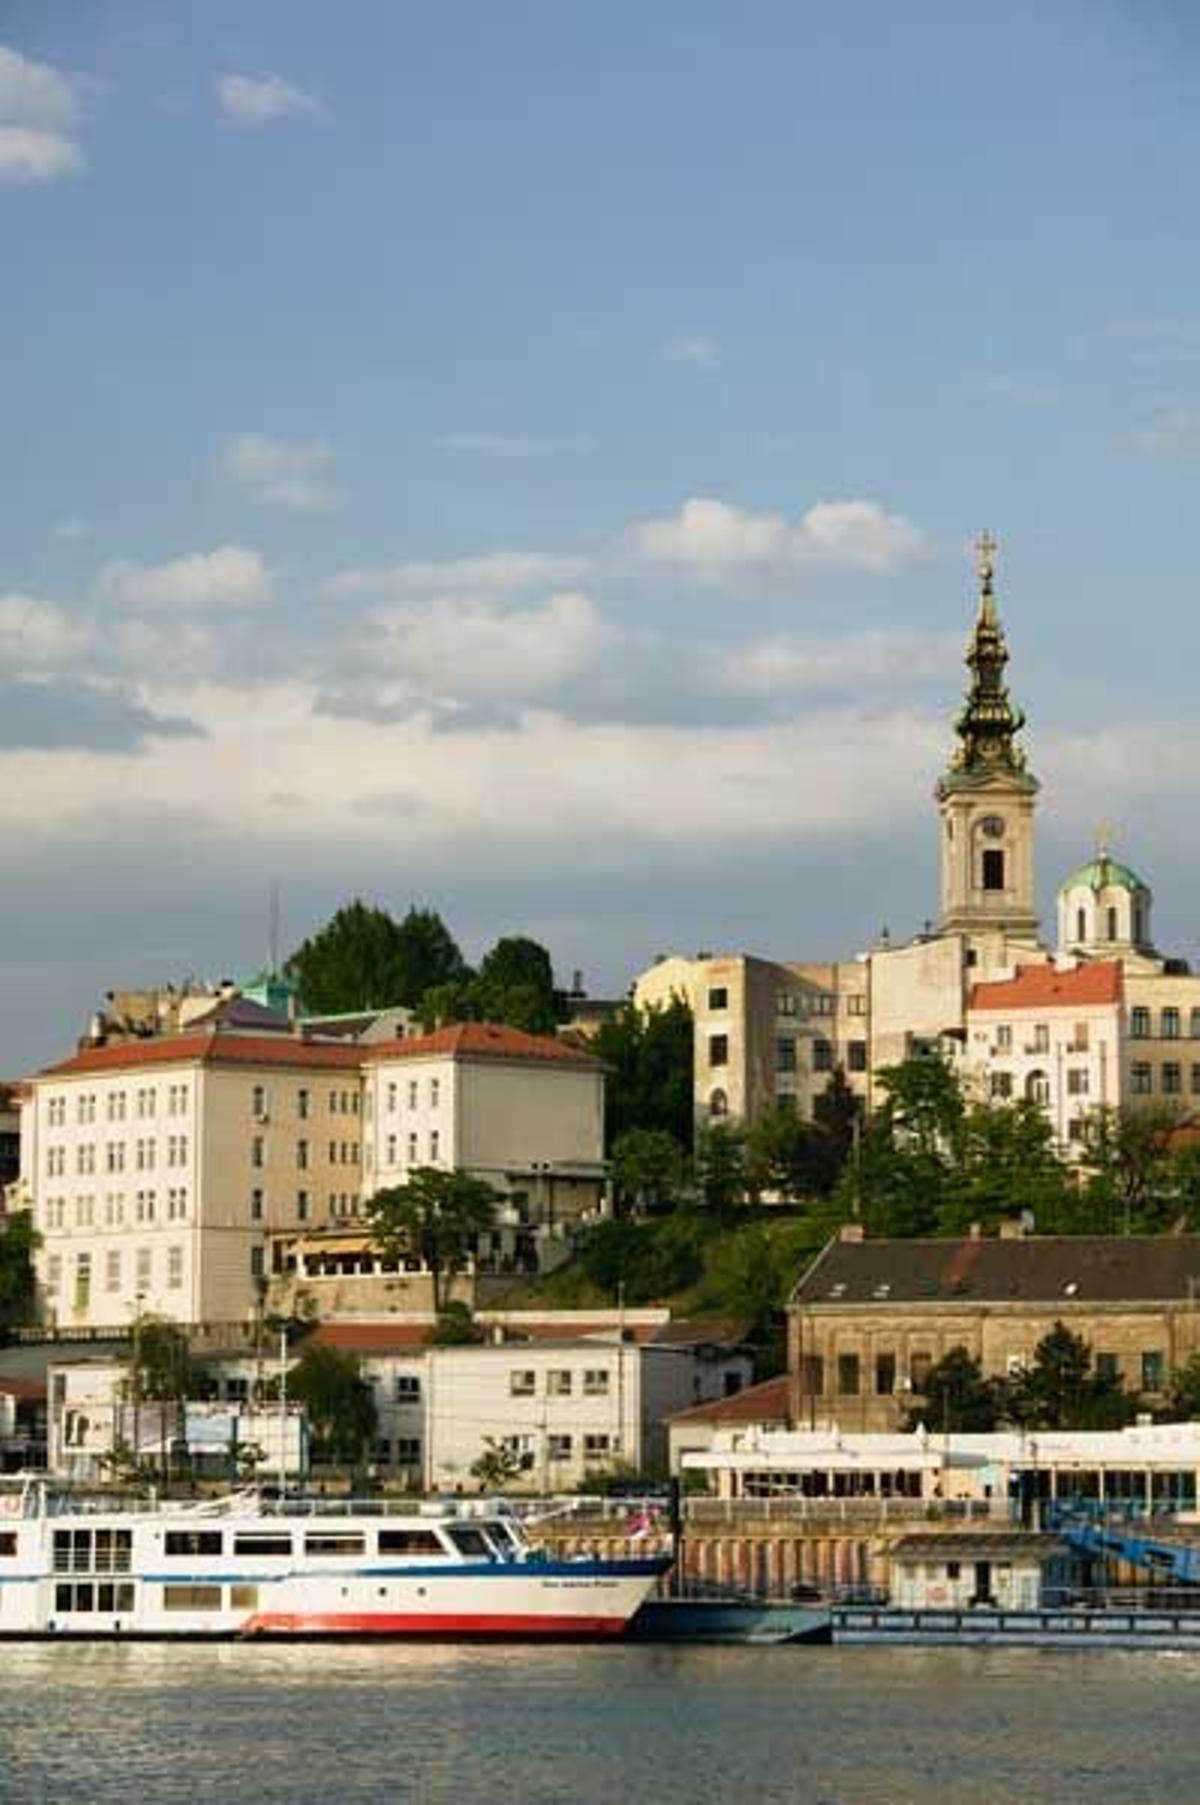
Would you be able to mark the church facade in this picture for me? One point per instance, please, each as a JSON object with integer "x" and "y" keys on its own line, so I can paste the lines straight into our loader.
{"x": 1015, "y": 1014}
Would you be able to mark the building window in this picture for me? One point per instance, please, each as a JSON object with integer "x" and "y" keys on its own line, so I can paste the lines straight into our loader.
{"x": 412, "y": 1149}
{"x": 1169, "y": 1028}
{"x": 258, "y": 1100}
{"x": 112, "y": 1270}
{"x": 434, "y": 1144}
{"x": 856, "y": 1055}
{"x": 1078, "y": 1081}
{"x": 522, "y": 1383}
{"x": 595, "y": 1382}
{"x": 302, "y": 1206}
{"x": 1139, "y": 1024}
{"x": 302, "y": 1105}
{"x": 787, "y": 1004}
{"x": 1000, "y": 1085}
{"x": 785, "y": 1054}
{"x": 258, "y": 1151}
{"x": 1196, "y": 1081}
{"x": 412, "y": 1093}
{"x": 144, "y": 1268}
{"x": 1076, "y": 1129}
{"x": 856, "y": 1004}
{"x": 1004, "y": 1037}
{"x": 175, "y": 1268}
{"x": 559, "y": 1447}
{"x": 847, "y": 1375}
{"x": 1108, "y": 1368}
{"x": 435, "y": 1092}
{"x": 885, "y": 1375}
{"x": 718, "y": 998}
{"x": 558, "y": 1383}
{"x": 1142, "y": 1078}
{"x": 1196, "y": 1024}
{"x": 258, "y": 1263}
{"x": 822, "y": 1056}
{"x": 1172, "y": 1078}
{"x": 1041, "y": 1037}
{"x": 1080, "y": 925}
{"x": 718, "y": 1103}
{"x": 919, "y": 1367}
{"x": 1037, "y": 1087}
{"x": 597, "y": 1447}
{"x": 993, "y": 869}
{"x": 718, "y": 1049}
{"x": 1154, "y": 1369}
{"x": 408, "y": 1388}
{"x": 256, "y": 1206}
{"x": 1080, "y": 1037}
{"x": 1112, "y": 924}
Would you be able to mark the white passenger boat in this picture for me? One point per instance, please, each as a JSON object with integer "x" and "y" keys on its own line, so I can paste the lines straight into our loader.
{"x": 248, "y": 1565}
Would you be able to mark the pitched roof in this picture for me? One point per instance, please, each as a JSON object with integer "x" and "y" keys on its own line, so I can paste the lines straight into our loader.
{"x": 1045, "y": 987}
{"x": 1039, "y": 1269}
{"x": 483, "y": 1040}
{"x": 372, "y": 1337}
{"x": 764, "y": 1403}
{"x": 208, "y": 1048}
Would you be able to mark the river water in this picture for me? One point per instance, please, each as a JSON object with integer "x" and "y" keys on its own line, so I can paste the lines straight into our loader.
{"x": 535, "y": 1726}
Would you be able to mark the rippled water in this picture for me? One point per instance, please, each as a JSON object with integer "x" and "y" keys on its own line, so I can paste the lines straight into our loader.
{"x": 150, "y": 1723}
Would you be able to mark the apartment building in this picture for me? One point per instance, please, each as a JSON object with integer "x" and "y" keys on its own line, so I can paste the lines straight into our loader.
{"x": 157, "y": 1170}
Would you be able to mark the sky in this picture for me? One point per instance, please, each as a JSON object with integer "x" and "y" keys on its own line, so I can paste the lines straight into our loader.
{"x": 525, "y": 460}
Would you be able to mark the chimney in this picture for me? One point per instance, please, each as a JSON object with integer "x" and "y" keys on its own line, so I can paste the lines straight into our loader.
{"x": 851, "y": 1231}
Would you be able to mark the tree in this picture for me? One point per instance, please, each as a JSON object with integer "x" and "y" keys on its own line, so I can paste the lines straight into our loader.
{"x": 455, "y": 1326}
{"x": 643, "y": 1262}
{"x": 1130, "y": 1152}
{"x": 498, "y": 1466}
{"x": 957, "y": 1398}
{"x": 790, "y": 1156}
{"x": 721, "y": 1175}
{"x": 1060, "y": 1390}
{"x": 18, "y": 1242}
{"x": 649, "y": 1056}
{"x": 338, "y": 1400}
{"x": 648, "y": 1170}
{"x": 161, "y": 1371}
{"x": 514, "y": 985}
{"x": 437, "y": 1215}
{"x": 839, "y": 1111}
{"x": 362, "y": 958}
{"x": 1183, "y": 1396}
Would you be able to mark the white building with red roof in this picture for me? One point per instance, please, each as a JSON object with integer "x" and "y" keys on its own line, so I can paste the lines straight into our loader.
{"x": 1052, "y": 1035}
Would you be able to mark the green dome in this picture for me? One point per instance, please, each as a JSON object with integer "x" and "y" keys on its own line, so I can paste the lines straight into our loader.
{"x": 1104, "y": 874}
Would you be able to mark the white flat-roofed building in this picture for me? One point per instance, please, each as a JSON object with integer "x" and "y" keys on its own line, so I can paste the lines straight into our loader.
{"x": 523, "y": 1111}
{"x": 157, "y": 1169}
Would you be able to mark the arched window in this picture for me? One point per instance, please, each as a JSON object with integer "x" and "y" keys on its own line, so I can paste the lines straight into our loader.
{"x": 1112, "y": 924}
{"x": 1037, "y": 1087}
{"x": 1139, "y": 925}
{"x": 718, "y": 1104}
{"x": 1080, "y": 924}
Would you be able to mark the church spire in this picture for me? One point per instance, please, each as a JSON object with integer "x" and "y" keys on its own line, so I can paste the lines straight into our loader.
{"x": 988, "y": 723}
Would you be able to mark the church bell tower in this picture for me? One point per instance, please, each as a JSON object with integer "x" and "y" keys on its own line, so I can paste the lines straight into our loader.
{"x": 986, "y": 798}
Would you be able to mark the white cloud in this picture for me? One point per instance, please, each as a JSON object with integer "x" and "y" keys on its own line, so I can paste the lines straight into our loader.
{"x": 790, "y": 665}
{"x": 711, "y": 537}
{"x": 475, "y": 650}
{"x": 35, "y": 634}
{"x": 1173, "y": 432}
{"x": 284, "y": 473}
{"x": 495, "y": 573}
{"x": 231, "y": 576}
{"x": 696, "y": 348}
{"x": 257, "y": 100}
{"x": 37, "y": 114}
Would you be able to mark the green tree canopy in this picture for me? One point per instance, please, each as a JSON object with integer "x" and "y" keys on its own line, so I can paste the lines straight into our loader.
{"x": 649, "y": 1055}
{"x": 722, "y": 1179}
{"x": 1061, "y": 1389}
{"x": 362, "y": 958}
{"x": 787, "y": 1155}
{"x": 649, "y": 1170}
{"x": 956, "y": 1398}
{"x": 1136, "y": 1167}
{"x": 438, "y": 1215}
{"x": 18, "y": 1242}
{"x": 339, "y": 1402}
{"x": 514, "y": 984}
{"x": 455, "y": 1326}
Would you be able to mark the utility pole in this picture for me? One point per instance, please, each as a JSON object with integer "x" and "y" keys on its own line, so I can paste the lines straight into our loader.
{"x": 283, "y": 1416}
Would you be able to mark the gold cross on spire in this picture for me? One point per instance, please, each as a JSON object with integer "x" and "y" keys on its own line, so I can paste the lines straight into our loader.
{"x": 985, "y": 545}
{"x": 1104, "y": 837}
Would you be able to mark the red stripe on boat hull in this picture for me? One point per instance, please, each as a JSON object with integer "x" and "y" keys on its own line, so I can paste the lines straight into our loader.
{"x": 446, "y": 1624}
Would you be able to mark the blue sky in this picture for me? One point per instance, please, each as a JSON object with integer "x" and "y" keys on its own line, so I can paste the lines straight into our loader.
{"x": 525, "y": 458}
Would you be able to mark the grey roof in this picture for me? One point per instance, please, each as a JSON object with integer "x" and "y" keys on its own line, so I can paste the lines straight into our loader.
{"x": 243, "y": 1012}
{"x": 976, "y": 1545}
{"x": 1045, "y": 1269}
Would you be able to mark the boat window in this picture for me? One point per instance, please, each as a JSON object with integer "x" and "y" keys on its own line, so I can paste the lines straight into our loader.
{"x": 469, "y": 1541}
{"x": 254, "y": 1542}
{"x": 8, "y": 1541}
{"x": 192, "y": 1541}
{"x": 92, "y": 1551}
{"x": 191, "y": 1598}
{"x": 335, "y": 1542}
{"x": 243, "y": 1598}
{"x": 409, "y": 1541}
{"x": 84, "y": 1596}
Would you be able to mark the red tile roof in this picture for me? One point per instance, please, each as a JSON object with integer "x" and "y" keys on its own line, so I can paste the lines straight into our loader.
{"x": 482, "y": 1040}
{"x": 209, "y": 1048}
{"x": 1044, "y": 987}
{"x": 765, "y": 1403}
{"x": 372, "y": 1337}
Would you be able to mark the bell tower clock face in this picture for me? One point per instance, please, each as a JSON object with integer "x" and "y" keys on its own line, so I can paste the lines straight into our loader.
{"x": 992, "y": 827}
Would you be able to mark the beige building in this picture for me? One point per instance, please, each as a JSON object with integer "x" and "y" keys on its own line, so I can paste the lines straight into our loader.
{"x": 869, "y": 1319}
{"x": 158, "y": 1169}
